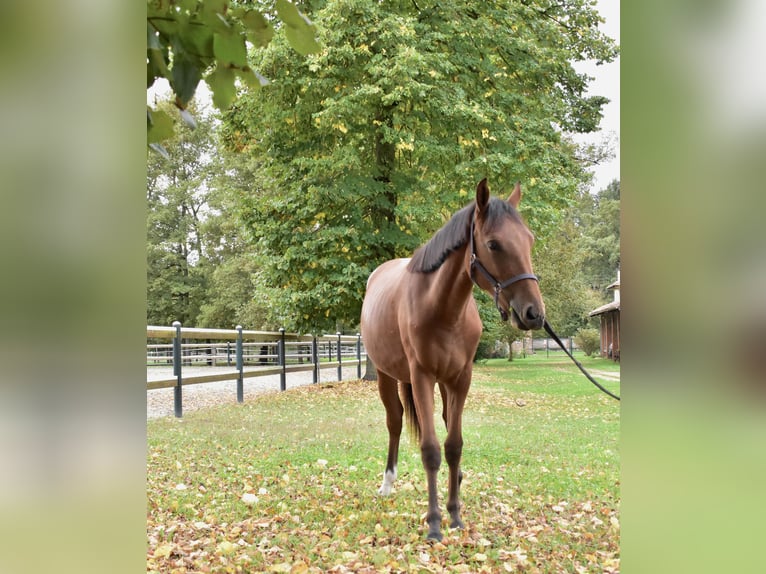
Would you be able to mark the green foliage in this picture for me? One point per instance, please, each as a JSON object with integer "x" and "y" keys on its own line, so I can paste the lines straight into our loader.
{"x": 191, "y": 40}
{"x": 176, "y": 203}
{"x": 229, "y": 299}
{"x": 588, "y": 340}
{"x": 360, "y": 152}
{"x": 600, "y": 221}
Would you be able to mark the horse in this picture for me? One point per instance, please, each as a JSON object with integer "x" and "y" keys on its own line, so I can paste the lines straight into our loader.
{"x": 421, "y": 327}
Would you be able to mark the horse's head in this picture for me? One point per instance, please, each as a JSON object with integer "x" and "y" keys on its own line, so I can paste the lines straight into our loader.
{"x": 501, "y": 246}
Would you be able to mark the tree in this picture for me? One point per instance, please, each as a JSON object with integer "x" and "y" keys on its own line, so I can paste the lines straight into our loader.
{"x": 230, "y": 260}
{"x": 600, "y": 221}
{"x": 362, "y": 151}
{"x": 559, "y": 263}
{"x": 177, "y": 188}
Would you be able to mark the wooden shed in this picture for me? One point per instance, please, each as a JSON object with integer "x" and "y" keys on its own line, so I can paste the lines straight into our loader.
{"x": 610, "y": 323}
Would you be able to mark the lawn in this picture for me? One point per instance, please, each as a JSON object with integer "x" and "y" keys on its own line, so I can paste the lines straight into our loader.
{"x": 288, "y": 482}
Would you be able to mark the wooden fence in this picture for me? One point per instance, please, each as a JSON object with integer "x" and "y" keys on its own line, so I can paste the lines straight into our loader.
{"x": 264, "y": 352}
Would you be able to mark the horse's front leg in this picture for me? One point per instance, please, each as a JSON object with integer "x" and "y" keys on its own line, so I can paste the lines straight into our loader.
{"x": 430, "y": 450}
{"x": 454, "y": 399}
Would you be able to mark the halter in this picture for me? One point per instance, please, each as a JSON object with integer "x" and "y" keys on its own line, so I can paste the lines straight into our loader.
{"x": 499, "y": 286}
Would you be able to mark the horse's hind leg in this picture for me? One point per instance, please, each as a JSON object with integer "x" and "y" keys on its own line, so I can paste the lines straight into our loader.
{"x": 389, "y": 394}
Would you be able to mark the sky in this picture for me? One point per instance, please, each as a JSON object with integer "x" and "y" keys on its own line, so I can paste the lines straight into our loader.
{"x": 606, "y": 82}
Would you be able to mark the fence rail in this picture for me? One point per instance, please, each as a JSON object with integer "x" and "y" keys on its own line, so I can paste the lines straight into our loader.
{"x": 268, "y": 352}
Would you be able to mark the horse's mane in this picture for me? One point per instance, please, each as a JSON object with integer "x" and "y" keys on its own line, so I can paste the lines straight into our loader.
{"x": 451, "y": 237}
{"x": 455, "y": 234}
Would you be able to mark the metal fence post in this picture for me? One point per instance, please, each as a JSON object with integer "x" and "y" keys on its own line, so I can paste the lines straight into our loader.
{"x": 315, "y": 358}
{"x": 240, "y": 367}
{"x": 282, "y": 360}
{"x": 359, "y": 355}
{"x": 340, "y": 367}
{"x": 177, "y": 400}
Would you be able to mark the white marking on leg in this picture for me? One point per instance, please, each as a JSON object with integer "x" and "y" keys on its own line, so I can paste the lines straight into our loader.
{"x": 388, "y": 482}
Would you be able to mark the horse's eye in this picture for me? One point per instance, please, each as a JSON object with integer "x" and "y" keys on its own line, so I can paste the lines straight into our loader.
{"x": 493, "y": 245}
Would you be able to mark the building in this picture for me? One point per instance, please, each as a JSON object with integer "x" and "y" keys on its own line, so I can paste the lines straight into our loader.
{"x": 610, "y": 323}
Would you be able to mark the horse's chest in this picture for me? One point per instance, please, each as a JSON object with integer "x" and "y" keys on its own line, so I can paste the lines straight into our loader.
{"x": 444, "y": 351}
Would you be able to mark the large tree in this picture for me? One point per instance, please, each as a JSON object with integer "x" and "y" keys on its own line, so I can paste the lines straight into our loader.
{"x": 360, "y": 152}
{"x": 177, "y": 201}
{"x": 599, "y": 218}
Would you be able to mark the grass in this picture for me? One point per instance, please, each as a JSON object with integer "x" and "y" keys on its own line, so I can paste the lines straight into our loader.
{"x": 540, "y": 493}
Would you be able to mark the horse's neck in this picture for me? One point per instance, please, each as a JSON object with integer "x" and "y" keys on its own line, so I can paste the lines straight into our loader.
{"x": 451, "y": 288}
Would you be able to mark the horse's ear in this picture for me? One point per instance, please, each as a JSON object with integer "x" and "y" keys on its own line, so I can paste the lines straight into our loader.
{"x": 515, "y": 197}
{"x": 482, "y": 196}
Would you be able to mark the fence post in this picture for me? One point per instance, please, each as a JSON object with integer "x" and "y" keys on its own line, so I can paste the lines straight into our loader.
{"x": 177, "y": 370}
{"x": 359, "y": 355}
{"x": 240, "y": 367}
{"x": 282, "y": 360}
{"x": 315, "y": 358}
{"x": 340, "y": 367}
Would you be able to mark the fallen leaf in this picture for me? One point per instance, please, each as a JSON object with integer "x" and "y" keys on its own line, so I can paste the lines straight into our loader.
{"x": 249, "y": 498}
{"x": 163, "y": 551}
{"x": 227, "y": 548}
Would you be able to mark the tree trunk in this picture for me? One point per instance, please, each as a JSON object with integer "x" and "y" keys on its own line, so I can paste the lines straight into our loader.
{"x": 370, "y": 374}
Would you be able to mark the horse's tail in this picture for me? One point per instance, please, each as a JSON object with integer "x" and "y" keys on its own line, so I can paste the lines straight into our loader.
{"x": 413, "y": 424}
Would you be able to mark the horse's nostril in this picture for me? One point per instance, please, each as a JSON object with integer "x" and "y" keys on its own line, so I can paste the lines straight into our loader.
{"x": 531, "y": 314}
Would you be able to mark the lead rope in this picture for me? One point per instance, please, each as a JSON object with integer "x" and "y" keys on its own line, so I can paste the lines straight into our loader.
{"x": 555, "y": 337}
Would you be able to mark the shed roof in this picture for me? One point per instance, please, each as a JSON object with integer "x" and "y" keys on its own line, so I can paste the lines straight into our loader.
{"x": 613, "y": 306}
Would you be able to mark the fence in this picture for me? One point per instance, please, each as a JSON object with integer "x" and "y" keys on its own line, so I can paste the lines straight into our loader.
{"x": 531, "y": 346}
{"x": 268, "y": 352}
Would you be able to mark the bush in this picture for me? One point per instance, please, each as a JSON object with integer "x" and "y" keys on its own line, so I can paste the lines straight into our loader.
{"x": 483, "y": 351}
{"x": 589, "y": 340}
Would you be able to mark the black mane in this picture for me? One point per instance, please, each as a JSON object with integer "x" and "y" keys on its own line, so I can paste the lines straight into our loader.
{"x": 455, "y": 234}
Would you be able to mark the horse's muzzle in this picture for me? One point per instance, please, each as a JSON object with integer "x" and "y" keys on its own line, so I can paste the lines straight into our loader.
{"x": 530, "y": 318}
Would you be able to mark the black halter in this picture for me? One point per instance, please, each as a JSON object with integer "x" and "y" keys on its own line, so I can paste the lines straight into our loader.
{"x": 499, "y": 286}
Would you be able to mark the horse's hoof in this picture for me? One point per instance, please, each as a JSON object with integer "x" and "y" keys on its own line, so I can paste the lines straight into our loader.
{"x": 436, "y": 536}
{"x": 457, "y": 524}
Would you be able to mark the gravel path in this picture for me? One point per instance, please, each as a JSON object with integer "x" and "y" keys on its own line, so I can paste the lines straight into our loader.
{"x": 608, "y": 375}
{"x": 159, "y": 402}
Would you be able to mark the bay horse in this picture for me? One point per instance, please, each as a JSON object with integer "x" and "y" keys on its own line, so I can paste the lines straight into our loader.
{"x": 421, "y": 326}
